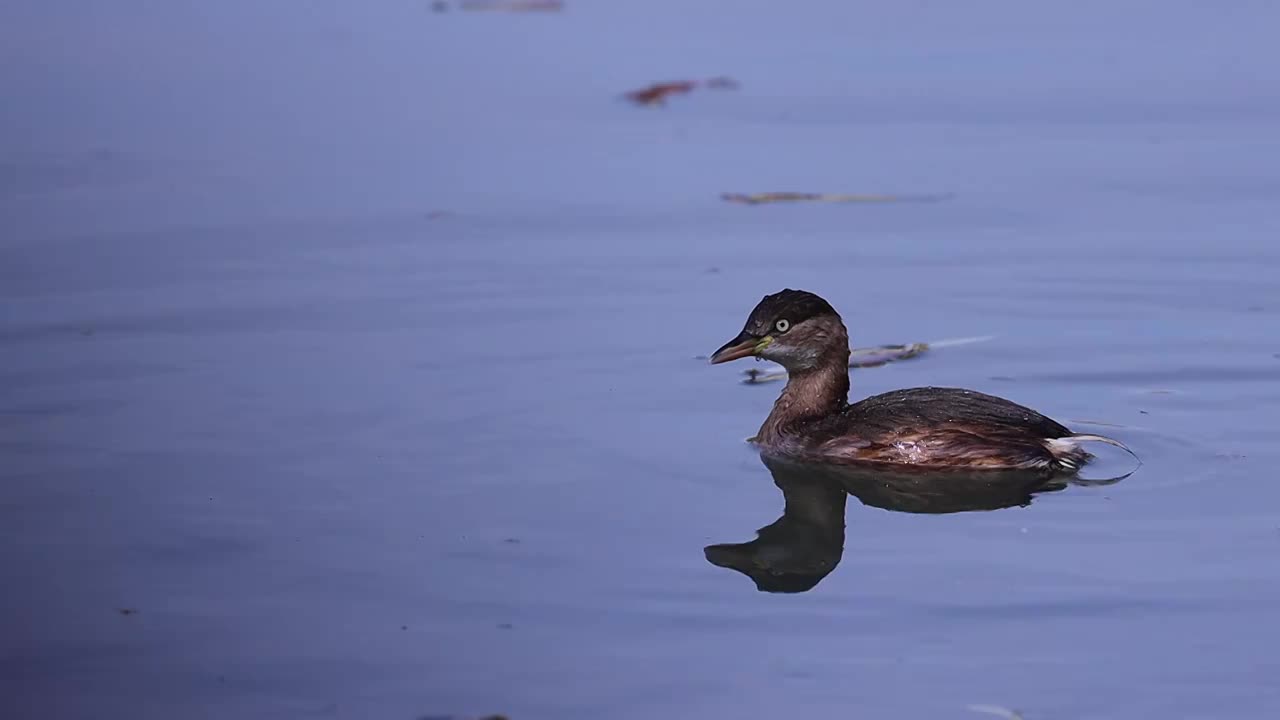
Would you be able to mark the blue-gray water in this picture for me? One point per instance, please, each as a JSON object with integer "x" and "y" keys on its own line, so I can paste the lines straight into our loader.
{"x": 351, "y": 348}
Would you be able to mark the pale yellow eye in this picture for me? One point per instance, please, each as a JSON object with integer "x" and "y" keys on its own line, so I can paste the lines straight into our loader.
{"x": 782, "y": 325}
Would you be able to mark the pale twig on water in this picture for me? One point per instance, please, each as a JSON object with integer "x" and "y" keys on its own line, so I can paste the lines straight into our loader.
{"x": 998, "y": 711}
{"x": 863, "y": 358}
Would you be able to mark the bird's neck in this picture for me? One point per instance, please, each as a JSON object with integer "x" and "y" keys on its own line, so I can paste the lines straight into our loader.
{"x": 811, "y": 394}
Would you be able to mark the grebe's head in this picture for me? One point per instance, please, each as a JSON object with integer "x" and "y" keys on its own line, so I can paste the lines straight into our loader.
{"x": 796, "y": 329}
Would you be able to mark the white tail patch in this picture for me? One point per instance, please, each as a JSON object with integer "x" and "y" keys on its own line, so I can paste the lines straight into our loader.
{"x": 1068, "y": 452}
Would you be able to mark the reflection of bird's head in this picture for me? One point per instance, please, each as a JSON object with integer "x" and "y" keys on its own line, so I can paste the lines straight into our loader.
{"x": 797, "y": 550}
{"x": 753, "y": 561}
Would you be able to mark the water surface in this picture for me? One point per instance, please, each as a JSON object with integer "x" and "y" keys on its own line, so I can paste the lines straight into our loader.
{"x": 350, "y": 352}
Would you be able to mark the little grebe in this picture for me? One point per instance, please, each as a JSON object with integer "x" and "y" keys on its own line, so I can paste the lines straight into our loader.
{"x": 928, "y": 427}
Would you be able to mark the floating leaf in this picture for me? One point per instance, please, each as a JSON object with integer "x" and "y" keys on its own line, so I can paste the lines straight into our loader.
{"x": 784, "y": 197}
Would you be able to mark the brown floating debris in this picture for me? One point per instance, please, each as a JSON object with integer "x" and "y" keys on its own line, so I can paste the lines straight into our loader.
{"x": 858, "y": 358}
{"x": 865, "y": 357}
{"x": 658, "y": 93}
{"x": 503, "y": 5}
{"x": 783, "y": 197}
{"x": 877, "y": 356}
{"x": 756, "y": 376}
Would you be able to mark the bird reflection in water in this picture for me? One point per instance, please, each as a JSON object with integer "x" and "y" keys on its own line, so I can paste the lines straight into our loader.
{"x": 795, "y": 552}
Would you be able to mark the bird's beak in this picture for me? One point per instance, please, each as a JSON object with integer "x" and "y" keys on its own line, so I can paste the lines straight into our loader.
{"x": 745, "y": 345}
